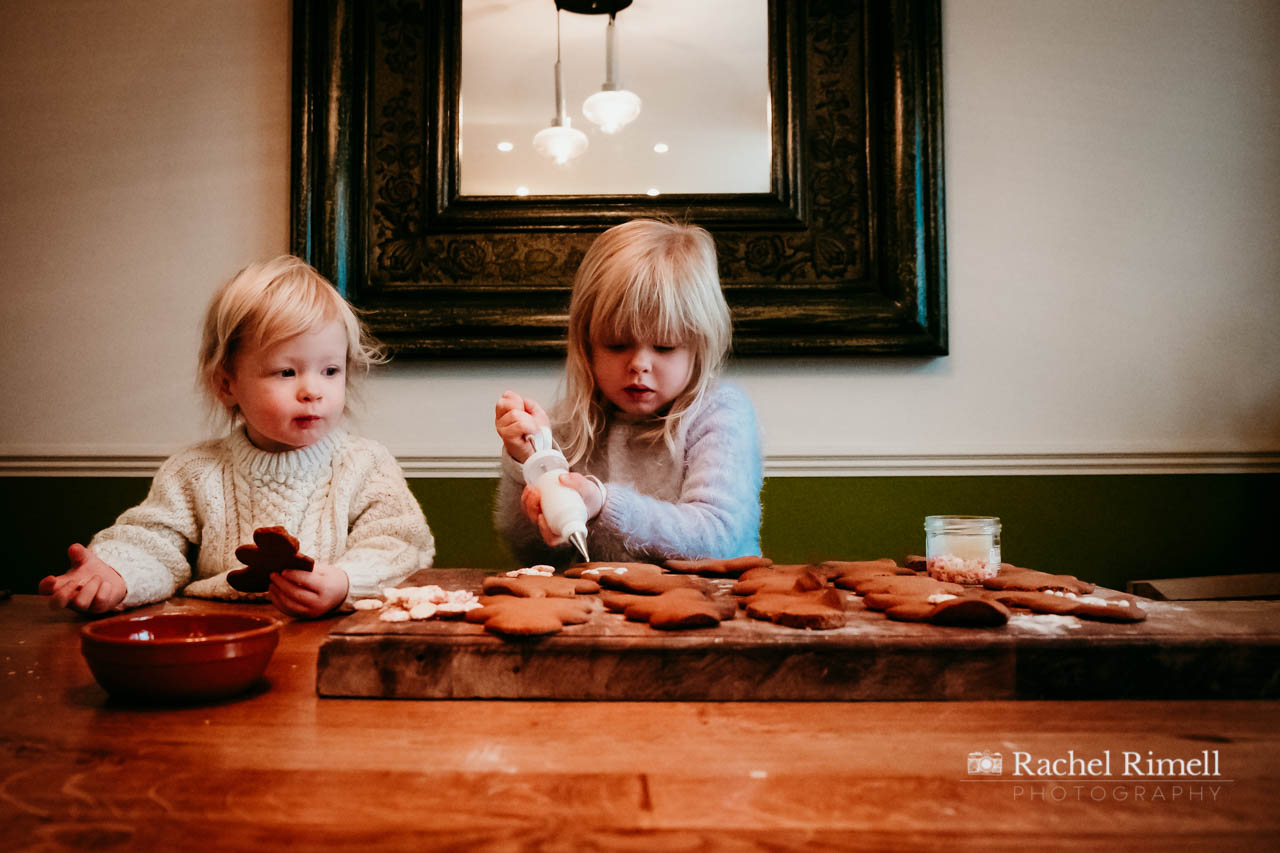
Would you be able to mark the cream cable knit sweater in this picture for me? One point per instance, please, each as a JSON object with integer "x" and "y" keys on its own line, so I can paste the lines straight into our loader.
{"x": 344, "y": 499}
{"x": 702, "y": 502}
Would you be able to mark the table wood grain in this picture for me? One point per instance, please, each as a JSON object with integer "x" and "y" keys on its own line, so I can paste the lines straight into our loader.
{"x": 282, "y": 766}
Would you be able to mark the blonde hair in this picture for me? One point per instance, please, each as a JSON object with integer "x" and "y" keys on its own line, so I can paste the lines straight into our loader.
{"x": 269, "y": 302}
{"x": 644, "y": 280}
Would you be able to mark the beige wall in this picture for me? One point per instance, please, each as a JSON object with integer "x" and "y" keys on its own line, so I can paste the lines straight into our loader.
{"x": 1113, "y": 206}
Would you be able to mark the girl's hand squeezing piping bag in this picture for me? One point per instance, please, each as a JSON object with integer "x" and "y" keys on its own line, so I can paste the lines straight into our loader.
{"x": 557, "y": 506}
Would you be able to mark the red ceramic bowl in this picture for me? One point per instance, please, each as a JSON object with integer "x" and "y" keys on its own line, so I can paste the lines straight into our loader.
{"x": 179, "y": 657}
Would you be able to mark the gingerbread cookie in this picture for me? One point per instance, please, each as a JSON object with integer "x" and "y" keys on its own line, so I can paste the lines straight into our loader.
{"x": 593, "y": 570}
{"x": 538, "y": 586}
{"x": 820, "y": 610}
{"x": 679, "y": 608}
{"x": 530, "y": 616}
{"x": 273, "y": 550}
{"x": 780, "y": 581}
{"x": 1090, "y": 607}
{"x": 718, "y": 568}
{"x": 916, "y": 562}
{"x": 959, "y": 612}
{"x": 649, "y": 580}
{"x": 1013, "y": 577}
{"x": 916, "y": 586}
{"x": 851, "y": 573}
{"x": 1037, "y": 602}
{"x": 1112, "y": 611}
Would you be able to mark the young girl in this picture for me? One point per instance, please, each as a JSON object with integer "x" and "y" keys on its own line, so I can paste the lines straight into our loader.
{"x": 666, "y": 458}
{"x": 280, "y": 350}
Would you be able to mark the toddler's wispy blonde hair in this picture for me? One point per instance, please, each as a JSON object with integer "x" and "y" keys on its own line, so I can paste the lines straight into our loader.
{"x": 643, "y": 281}
{"x": 269, "y": 302}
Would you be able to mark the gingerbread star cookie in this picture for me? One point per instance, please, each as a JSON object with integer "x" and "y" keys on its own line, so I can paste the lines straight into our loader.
{"x": 273, "y": 550}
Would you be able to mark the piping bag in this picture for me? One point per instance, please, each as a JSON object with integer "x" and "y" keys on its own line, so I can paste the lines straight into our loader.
{"x": 563, "y": 507}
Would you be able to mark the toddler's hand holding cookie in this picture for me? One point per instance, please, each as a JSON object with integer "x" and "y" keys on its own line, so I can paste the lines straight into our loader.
{"x": 309, "y": 594}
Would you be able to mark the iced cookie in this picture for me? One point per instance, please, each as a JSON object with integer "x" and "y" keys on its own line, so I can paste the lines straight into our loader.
{"x": 273, "y": 550}
{"x": 649, "y": 580}
{"x": 959, "y": 612}
{"x": 538, "y": 586}
{"x": 1037, "y": 602}
{"x": 592, "y": 571}
{"x": 530, "y": 616}
{"x": 718, "y": 568}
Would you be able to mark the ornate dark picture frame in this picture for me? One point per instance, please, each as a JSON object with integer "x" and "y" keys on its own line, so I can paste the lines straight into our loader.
{"x": 845, "y": 254}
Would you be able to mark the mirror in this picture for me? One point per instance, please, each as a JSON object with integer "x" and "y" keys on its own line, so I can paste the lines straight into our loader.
{"x": 699, "y": 69}
{"x": 842, "y": 252}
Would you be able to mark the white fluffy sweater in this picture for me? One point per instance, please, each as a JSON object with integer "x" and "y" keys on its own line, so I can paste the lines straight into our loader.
{"x": 344, "y": 499}
{"x": 703, "y": 501}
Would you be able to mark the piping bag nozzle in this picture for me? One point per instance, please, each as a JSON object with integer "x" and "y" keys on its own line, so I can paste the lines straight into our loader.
{"x": 579, "y": 540}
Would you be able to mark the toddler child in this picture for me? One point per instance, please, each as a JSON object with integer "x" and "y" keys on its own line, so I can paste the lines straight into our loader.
{"x": 666, "y": 458}
{"x": 280, "y": 350}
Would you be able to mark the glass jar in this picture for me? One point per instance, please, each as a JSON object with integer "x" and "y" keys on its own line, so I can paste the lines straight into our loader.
{"x": 962, "y": 548}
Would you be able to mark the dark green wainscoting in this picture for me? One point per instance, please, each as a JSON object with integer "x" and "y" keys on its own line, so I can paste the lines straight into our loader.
{"x": 1107, "y": 528}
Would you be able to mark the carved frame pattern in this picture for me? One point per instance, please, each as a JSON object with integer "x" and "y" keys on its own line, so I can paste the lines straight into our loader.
{"x": 845, "y": 254}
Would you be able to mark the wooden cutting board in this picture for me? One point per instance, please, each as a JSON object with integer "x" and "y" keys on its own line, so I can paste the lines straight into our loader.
{"x": 1182, "y": 650}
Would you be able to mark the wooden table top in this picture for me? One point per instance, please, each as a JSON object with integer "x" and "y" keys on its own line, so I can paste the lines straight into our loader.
{"x": 281, "y": 765}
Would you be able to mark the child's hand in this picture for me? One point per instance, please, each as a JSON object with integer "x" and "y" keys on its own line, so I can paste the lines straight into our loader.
{"x": 515, "y": 417}
{"x": 531, "y": 502}
{"x": 91, "y": 586}
{"x": 309, "y": 594}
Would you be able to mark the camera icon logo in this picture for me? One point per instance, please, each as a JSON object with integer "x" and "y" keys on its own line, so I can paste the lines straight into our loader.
{"x": 986, "y": 763}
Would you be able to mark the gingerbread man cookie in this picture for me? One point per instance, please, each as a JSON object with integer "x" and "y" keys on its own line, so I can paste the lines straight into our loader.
{"x": 851, "y": 572}
{"x": 819, "y": 610}
{"x": 1013, "y": 577}
{"x": 916, "y": 586}
{"x": 718, "y": 568}
{"x": 767, "y": 580}
{"x": 538, "y": 586}
{"x": 593, "y": 570}
{"x": 1120, "y": 609}
{"x": 520, "y": 616}
{"x": 648, "y": 581}
{"x": 273, "y": 550}
{"x": 958, "y": 612}
{"x": 677, "y": 609}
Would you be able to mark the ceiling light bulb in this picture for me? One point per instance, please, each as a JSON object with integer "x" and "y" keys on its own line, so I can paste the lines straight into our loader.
{"x": 661, "y": 148}
{"x": 560, "y": 142}
{"x": 505, "y": 146}
{"x": 612, "y": 108}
